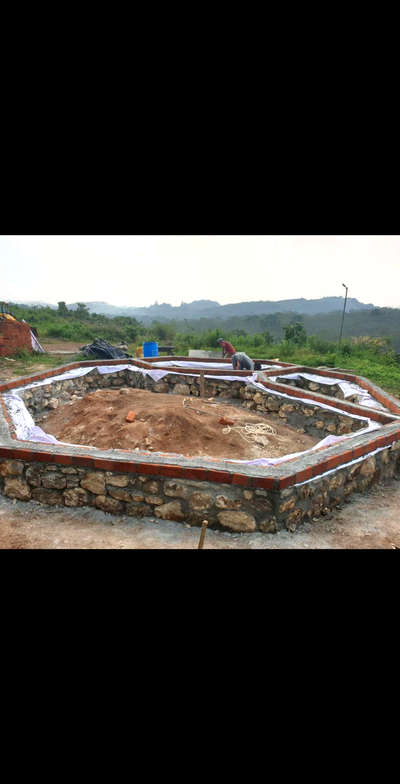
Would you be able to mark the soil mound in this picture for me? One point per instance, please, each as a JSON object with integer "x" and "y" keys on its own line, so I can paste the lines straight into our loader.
{"x": 173, "y": 423}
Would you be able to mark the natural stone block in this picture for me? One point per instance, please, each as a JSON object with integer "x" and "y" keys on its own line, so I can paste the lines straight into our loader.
{"x": 247, "y": 495}
{"x": 170, "y": 511}
{"x": 11, "y": 468}
{"x": 95, "y": 482}
{"x": 344, "y": 428}
{"x": 286, "y": 409}
{"x": 119, "y": 493}
{"x": 287, "y": 505}
{"x": 17, "y": 488}
{"x": 181, "y": 389}
{"x": 117, "y": 480}
{"x": 293, "y": 519}
{"x": 75, "y": 497}
{"x": 161, "y": 386}
{"x": 108, "y": 504}
{"x": 200, "y": 500}
{"x": 336, "y": 480}
{"x": 54, "y": 481}
{"x": 33, "y": 475}
{"x": 237, "y": 521}
{"x": 368, "y": 467}
{"x": 72, "y": 481}
{"x": 175, "y": 489}
{"x": 223, "y": 502}
{"x": 151, "y": 488}
{"x": 154, "y": 500}
{"x": 48, "y": 497}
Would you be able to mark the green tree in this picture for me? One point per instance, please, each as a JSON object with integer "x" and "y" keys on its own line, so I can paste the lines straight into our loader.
{"x": 62, "y": 309}
{"x": 82, "y": 311}
{"x": 295, "y": 333}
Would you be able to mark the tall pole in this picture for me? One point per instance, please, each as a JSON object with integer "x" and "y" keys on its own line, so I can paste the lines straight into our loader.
{"x": 344, "y": 309}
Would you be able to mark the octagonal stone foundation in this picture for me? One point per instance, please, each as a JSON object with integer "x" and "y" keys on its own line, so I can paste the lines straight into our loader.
{"x": 230, "y": 495}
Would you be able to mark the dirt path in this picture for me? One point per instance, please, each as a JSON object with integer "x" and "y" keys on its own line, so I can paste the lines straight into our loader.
{"x": 370, "y": 521}
{"x": 173, "y": 423}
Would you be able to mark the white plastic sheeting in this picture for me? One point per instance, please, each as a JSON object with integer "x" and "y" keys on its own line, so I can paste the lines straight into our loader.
{"x": 36, "y": 345}
{"x": 347, "y": 387}
{"x": 26, "y": 429}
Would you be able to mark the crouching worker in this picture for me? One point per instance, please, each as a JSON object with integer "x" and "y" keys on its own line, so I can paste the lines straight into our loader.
{"x": 240, "y": 361}
{"x": 227, "y": 348}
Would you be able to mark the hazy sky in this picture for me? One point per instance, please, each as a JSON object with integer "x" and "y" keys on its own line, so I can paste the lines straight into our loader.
{"x": 138, "y": 270}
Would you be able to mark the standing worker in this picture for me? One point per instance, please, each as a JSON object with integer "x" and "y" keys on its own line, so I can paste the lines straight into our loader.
{"x": 227, "y": 348}
{"x": 240, "y": 361}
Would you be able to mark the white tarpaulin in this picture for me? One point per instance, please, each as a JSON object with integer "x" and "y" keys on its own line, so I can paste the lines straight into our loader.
{"x": 348, "y": 388}
{"x": 26, "y": 429}
{"x": 36, "y": 345}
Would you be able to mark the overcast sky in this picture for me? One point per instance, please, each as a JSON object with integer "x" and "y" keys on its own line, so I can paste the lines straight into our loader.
{"x": 139, "y": 270}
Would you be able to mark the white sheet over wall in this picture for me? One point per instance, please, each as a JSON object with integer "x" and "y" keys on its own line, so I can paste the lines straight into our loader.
{"x": 348, "y": 388}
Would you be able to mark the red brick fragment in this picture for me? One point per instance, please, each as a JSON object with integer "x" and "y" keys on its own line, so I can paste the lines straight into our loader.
{"x": 130, "y": 416}
{"x": 226, "y": 421}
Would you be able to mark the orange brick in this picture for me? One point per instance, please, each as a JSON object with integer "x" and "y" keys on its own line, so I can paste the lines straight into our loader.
{"x": 130, "y": 416}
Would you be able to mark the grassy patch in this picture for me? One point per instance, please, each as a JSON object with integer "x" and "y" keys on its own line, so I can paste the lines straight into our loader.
{"x": 25, "y": 363}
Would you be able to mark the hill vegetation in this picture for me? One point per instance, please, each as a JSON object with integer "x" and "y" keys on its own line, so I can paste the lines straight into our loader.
{"x": 370, "y": 344}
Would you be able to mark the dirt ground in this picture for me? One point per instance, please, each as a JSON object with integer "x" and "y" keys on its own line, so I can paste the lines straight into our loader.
{"x": 63, "y": 345}
{"x": 369, "y": 521}
{"x": 172, "y": 423}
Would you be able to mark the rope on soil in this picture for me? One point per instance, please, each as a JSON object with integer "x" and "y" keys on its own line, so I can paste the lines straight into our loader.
{"x": 250, "y": 432}
{"x": 253, "y": 432}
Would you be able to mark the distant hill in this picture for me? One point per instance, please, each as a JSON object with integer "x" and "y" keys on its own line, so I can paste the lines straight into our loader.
{"x": 205, "y": 308}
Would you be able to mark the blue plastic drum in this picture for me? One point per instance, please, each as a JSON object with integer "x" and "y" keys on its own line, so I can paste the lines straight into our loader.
{"x": 150, "y": 349}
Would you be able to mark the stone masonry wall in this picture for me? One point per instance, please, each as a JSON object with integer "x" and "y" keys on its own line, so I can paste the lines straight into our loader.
{"x": 305, "y": 416}
{"x": 225, "y": 507}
